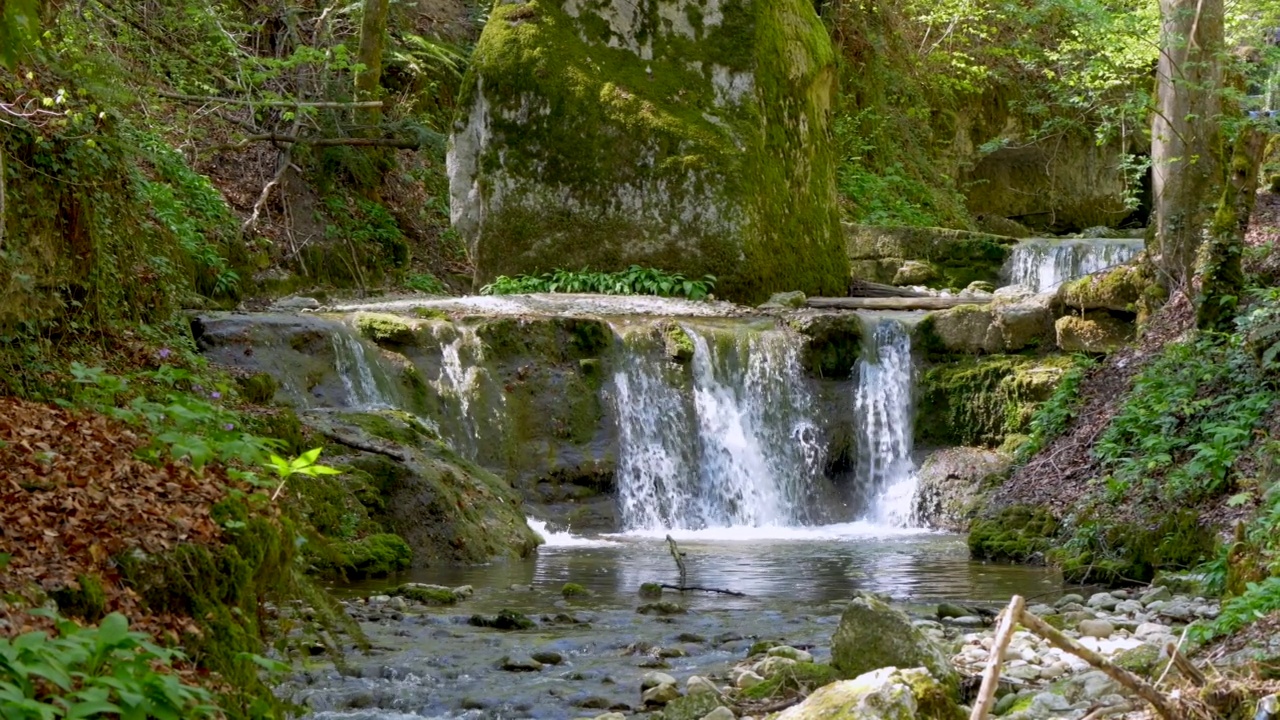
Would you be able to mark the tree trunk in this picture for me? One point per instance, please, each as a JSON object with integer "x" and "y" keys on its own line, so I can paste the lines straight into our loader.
{"x": 373, "y": 37}
{"x": 1222, "y": 277}
{"x": 1185, "y": 166}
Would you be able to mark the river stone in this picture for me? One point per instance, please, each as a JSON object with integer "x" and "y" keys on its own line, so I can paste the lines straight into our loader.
{"x": 654, "y": 679}
{"x": 915, "y": 272}
{"x": 1068, "y": 600}
{"x": 1043, "y": 705}
{"x": 968, "y": 329}
{"x": 773, "y": 665}
{"x": 548, "y": 657}
{"x": 872, "y": 635}
{"x": 696, "y": 685}
{"x": 1100, "y": 629}
{"x": 1148, "y": 629}
{"x": 519, "y": 664}
{"x": 295, "y": 302}
{"x": 720, "y": 713}
{"x": 660, "y": 695}
{"x": 1025, "y": 323}
{"x": 664, "y": 607}
{"x": 1103, "y": 601}
{"x": 786, "y": 651}
{"x": 1177, "y": 609}
{"x": 748, "y": 680}
{"x": 1129, "y": 607}
{"x": 670, "y": 134}
{"x": 1154, "y": 594}
{"x": 1054, "y": 670}
{"x": 1096, "y": 333}
{"x": 1089, "y": 685}
{"x": 884, "y": 694}
{"x": 611, "y": 716}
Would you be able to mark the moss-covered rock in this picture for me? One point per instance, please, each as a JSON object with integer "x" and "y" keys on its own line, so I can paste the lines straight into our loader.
{"x": 1025, "y": 323}
{"x": 385, "y": 329}
{"x": 833, "y": 343}
{"x": 1097, "y": 332}
{"x": 964, "y": 329}
{"x": 915, "y": 272}
{"x": 670, "y": 135}
{"x": 798, "y": 679}
{"x": 678, "y": 344}
{"x": 504, "y": 620}
{"x": 86, "y": 599}
{"x": 427, "y": 594}
{"x": 574, "y": 590}
{"x": 1119, "y": 289}
{"x": 956, "y": 257}
{"x": 689, "y": 707}
{"x": 376, "y": 555}
{"x": 872, "y": 635}
{"x": 1113, "y": 551}
{"x": 888, "y": 693}
{"x": 979, "y": 401}
{"x": 1017, "y": 534}
{"x": 258, "y": 388}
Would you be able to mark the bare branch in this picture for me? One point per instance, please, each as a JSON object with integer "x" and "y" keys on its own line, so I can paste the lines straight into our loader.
{"x": 403, "y": 143}
{"x": 202, "y": 99}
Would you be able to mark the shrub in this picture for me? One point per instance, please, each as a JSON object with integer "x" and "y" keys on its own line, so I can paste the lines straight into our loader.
{"x": 635, "y": 280}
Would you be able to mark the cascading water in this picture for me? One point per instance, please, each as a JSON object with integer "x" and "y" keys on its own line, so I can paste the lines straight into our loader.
{"x": 367, "y": 386}
{"x": 885, "y": 475}
{"x": 729, "y": 441}
{"x": 458, "y": 384}
{"x": 1042, "y": 264}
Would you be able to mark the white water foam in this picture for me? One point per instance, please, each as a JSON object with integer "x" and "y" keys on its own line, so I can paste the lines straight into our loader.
{"x": 1042, "y": 264}
{"x": 857, "y": 530}
{"x": 564, "y": 539}
{"x": 886, "y": 474}
{"x": 356, "y": 366}
{"x": 727, "y": 442}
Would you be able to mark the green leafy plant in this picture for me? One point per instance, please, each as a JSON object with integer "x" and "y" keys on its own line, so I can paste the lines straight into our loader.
{"x": 304, "y": 464}
{"x": 426, "y": 283}
{"x": 95, "y": 672}
{"x": 1053, "y": 416}
{"x": 635, "y": 280}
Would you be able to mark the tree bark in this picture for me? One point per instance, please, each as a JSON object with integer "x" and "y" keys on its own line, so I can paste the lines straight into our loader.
{"x": 1185, "y": 165}
{"x": 1222, "y": 276}
{"x": 373, "y": 38}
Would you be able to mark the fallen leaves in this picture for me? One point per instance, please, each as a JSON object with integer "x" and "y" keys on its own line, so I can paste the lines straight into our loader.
{"x": 74, "y": 496}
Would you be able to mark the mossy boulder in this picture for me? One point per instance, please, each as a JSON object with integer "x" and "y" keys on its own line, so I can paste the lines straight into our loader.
{"x": 1097, "y": 332}
{"x": 385, "y": 329}
{"x": 375, "y": 555}
{"x": 427, "y": 594}
{"x": 872, "y": 635}
{"x": 1119, "y": 289}
{"x": 670, "y": 134}
{"x": 915, "y": 272}
{"x": 1126, "y": 550}
{"x": 1025, "y": 322}
{"x": 798, "y": 678}
{"x": 504, "y": 620}
{"x": 832, "y": 343}
{"x": 980, "y": 401}
{"x": 887, "y": 693}
{"x": 964, "y": 329}
{"x": 1018, "y": 533}
{"x": 955, "y": 257}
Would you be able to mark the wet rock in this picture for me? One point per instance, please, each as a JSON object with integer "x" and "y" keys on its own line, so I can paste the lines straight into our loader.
{"x": 1089, "y": 686}
{"x": 1069, "y": 600}
{"x": 672, "y": 652}
{"x": 1040, "y": 610}
{"x": 690, "y": 638}
{"x": 426, "y": 594}
{"x": 1023, "y": 672}
{"x": 1103, "y": 601}
{"x": 747, "y": 680}
{"x": 948, "y": 610}
{"x": 1054, "y": 671}
{"x": 967, "y": 621}
{"x": 592, "y": 702}
{"x": 650, "y": 590}
{"x": 771, "y": 666}
{"x": 660, "y": 695}
{"x": 915, "y": 272}
{"x": 720, "y": 713}
{"x": 727, "y": 637}
{"x": 519, "y": 664}
{"x": 760, "y": 647}
{"x": 548, "y": 657}
{"x": 665, "y": 607}
{"x": 296, "y": 302}
{"x": 949, "y": 484}
{"x": 968, "y": 329}
{"x": 1154, "y": 594}
{"x": 1100, "y": 629}
{"x": 518, "y": 587}
{"x": 504, "y": 620}
{"x": 786, "y": 651}
{"x": 696, "y": 685}
{"x": 885, "y": 694}
{"x": 784, "y": 300}
{"x": 463, "y": 591}
{"x": 611, "y": 716}
{"x": 1043, "y": 705}
{"x": 1128, "y": 607}
{"x": 654, "y": 679}
{"x": 655, "y": 663}
{"x": 574, "y": 590}
{"x": 872, "y": 635}
{"x": 1176, "y": 609}
{"x": 1025, "y": 323}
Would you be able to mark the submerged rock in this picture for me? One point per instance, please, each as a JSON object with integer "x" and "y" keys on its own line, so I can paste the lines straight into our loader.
{"x": 504, "y": 620}
{"x": 872, "y": 635}
{"x": 669, "y": 134}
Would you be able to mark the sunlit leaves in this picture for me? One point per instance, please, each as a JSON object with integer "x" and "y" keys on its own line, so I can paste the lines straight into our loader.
{"x": 635, "y": 280}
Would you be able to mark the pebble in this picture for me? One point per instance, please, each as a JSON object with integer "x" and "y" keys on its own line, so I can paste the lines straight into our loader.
{"x": 1069, "y": 600}
{"x": 654, "y": 679}
{"x": 1056, "y": 670}
{"x": 1103, "y": 601}
{"x": 1100, "y": 629}
{"x": 720, "y": 713}
{"x": 548, "y": 657}
{"x": 1154, "y": 594}
{"x": 520, "y": 664}
{"x": 1129, "y": 607}
{"x": 398, "y": 603}
{"x": 786, "y": 651}
{"x": 967, "y": 621}
{"x": 773, "y": 665}
{"x": 1146, "y": 630}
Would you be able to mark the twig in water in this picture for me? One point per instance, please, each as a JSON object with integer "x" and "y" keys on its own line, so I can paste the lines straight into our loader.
{"x": 683, "y": 588}
{"x": 679, "y": 557}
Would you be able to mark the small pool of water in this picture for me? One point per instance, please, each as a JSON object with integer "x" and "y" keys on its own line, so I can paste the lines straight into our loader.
{"x": 795, "y": 583}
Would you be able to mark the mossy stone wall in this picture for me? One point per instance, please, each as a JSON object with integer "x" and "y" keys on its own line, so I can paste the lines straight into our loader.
{"x": 687, "y": 135}
{"x": 979, "y": 401}
{"x": 955, "y": 257}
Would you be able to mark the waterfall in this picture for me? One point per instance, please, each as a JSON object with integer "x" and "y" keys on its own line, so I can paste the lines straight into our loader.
{"x": 459, "y": 384}
{"x": 883, "y": 420}
{"x": 1042, "y": 264}
{"x": 726, "y": 441}
{"x": 367, "y": 386}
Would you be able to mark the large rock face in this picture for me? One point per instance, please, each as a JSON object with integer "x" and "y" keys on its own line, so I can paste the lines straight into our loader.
{"x": 690, "y": 135}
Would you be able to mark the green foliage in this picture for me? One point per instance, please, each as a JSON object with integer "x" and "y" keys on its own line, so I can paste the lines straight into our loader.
{"x": 19, "y": 29}
{"x": 95, "y": 672}
{"x": 635, "y": 280}
{"x": 376, "y": 555}
{"x": 1259, "y": 600}
{"x": 426, "y": 283}
{"x": 1053, "y": 416}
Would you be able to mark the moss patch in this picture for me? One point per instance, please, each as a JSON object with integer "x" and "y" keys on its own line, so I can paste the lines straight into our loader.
{"x": 979, "y": 401}
{"x": 427, "y": 594}
{"x": 690, "y": 707}
{"x": 385, "y": 329}
{"x": 373, "y": 556}
{"x": 1131, "y": 550}
{"x": 802, "y": 677}
{"x": 1120, "y": 289}
{"x": 833, "y": 343}
{"x": 87, "y": 600}
{"x": 957, "y": 257}
{"x": 1016, "y": 534}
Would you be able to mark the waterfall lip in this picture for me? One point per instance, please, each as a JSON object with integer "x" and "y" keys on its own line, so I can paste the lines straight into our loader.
{"x": 1043, "y": 264}
{"x": 854, "y": 530}
{"x": 551, "y": 304}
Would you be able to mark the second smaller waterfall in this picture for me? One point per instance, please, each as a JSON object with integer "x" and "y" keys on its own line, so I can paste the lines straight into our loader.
{"x": 886, "y": 473}
{"x": 366, "y": 383}
{"x": 1042, "y": 264}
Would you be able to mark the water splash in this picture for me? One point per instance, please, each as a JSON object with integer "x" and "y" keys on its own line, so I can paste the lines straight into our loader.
{"x": 728, "y": 441}
{"x": 564, "y": 539}
{"x": 884, "y": 421}
{"x": 459, "y": 383}
{"x": 1042, "y": 264}
{"x": 366, "y": 383}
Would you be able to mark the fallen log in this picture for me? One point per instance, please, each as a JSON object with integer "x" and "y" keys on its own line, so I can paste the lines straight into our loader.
{"x": 893, "y": 303}
{"x": 866, "y": 288}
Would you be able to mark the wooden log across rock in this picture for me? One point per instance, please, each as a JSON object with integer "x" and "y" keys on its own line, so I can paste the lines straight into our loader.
{"x": 893, "y": 303}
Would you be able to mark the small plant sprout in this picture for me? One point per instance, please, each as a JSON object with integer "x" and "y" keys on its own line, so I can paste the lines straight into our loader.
{"x": 304, "y": 464}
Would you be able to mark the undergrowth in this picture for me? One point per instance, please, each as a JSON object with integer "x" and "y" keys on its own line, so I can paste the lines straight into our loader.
{"x": 635, "y": 280}
{"x": 1054, "y": 415}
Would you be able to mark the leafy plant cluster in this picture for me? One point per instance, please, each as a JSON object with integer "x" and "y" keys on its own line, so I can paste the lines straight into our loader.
{"x": 635, "y": 280}
{"x": 1190, "y": 417}
{"x": 95, "y": 672}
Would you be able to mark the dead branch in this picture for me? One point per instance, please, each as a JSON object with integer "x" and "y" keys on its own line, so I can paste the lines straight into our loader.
{"x": 1188, "y": 670}
{"x": 204, "y": 100}
{"x": 991, "y": 676}
{"x": 683, "y": 588}
{"x": 1134, "y": 683}
{"x": 401, "y": 143}
{"x": 252, "y": 220}
{"x": 678, "y": 556}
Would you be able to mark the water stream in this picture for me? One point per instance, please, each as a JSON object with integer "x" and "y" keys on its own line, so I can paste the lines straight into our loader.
{"x": 1042, "y": 264}
{"x": 884, "y": 419}
{"x": 364, "y": 379}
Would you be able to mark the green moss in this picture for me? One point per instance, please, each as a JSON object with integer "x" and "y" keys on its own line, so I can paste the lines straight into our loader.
{"x": 1128, "y": 550}
{"x": 396, "y": 426}
{"x": 795, "y": 679}
{"x": 678, "y": 344}
{"x": 504, "y": 620}
{"x": 427, "y": 594}
{"x": 373, "y": 556}
{"x": 617, "y": 121}
{"x": 258, "y": 388}
{"x": 87, "y": 601}
{"x": 979, "y": 401}
{"x": 833, "y": 344}
{"x": 689, "y": 707}
{"x": 959, "y": 257}
{"x": 1141, "y": 660}
{"x": 386, "y": 329}
{"x": 650, "y": 590}
{"x": 279, "y": 424}
{"x": 430, "y": 313}
{"x": 1016, "y": 534}
{"x": 574, "y": 590}
{"x": 1120, "y": 289}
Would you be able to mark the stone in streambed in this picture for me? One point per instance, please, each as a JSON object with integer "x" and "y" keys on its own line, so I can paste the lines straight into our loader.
{"x": 884, "y": 694}
{"x": 519, "y": 664}
{"x": 1069, "y": 600}
{"x": 786, "y": 651}
{"x": 1100, "y": 629}
{"x": 1154, "y": 594}
{"x": 548, "y": 657}
{"x": 720, "y": 713}
{"x": 654, "y": 679}
{"x": 1103, "y": 601}
{"x": 872, "y": 635}
{"x": 951, "y": 611}
{"x": 661, "y": 608}
{"x": 504, "y": 620}
{"x": 696, "y": 685}
{"x": 660, "y": 695}
{"x": 748, "y": 680}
